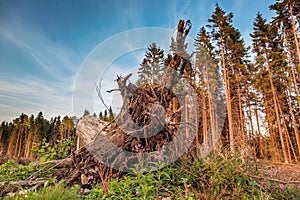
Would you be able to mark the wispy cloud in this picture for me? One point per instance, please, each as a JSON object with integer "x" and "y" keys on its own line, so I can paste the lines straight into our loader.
{"x": 46, "y": 85}
{"x": 57, "y": 60}
{"x": 26, "y": 47}
{"x": 32, "y": 96}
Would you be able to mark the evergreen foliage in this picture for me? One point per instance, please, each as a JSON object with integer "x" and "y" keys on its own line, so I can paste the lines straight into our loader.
{"x": 151, "y": 68}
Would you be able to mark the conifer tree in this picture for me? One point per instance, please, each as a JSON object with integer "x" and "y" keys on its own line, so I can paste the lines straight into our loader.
{"x": 264, "y": 45}
{"x": 101, "y": 115}
{"x": 111, "y": 116}
{"x": 285, "y": 24}
{"x": 231, "y": 54}
{"x": 209, "y": 80}
{"x": 86, "y": 112}
{"x": 152, "y": 65}
{"x": 105, "y": 117}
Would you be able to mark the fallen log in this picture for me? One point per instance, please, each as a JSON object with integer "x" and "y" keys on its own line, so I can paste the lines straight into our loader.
{"x": 151, "y": 117}
{"x": 61, "y": 163}
{"x": 24, "y": 182}
{"x": 147, "y": 122}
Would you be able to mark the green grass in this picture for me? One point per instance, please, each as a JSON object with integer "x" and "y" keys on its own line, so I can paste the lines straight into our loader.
{"x": 12, "y": 171}
{"x": 56, "y": 192}
{"x": 215, "y": 177}
{"x": 218, "y": 176}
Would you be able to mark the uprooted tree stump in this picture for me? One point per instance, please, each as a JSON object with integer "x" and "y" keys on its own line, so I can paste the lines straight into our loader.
{"x": 154, "y": 119}
{"x": 150, "y": 119}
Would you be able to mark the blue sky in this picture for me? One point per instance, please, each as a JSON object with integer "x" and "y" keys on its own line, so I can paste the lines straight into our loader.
{"x": 43, "y": 44}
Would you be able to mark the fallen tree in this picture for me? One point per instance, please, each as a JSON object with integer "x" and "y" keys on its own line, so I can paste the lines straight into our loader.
{"x": 155, "y": 118}
{"x": 145, "y": 124}
{"x": 24, "y": 182}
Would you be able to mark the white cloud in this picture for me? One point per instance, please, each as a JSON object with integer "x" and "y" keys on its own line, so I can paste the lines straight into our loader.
{"x": 47, "y": 88}
{"x": 55, "y": 59}
{"x": 27, "y": 48}
{"x": 32, "y": 96}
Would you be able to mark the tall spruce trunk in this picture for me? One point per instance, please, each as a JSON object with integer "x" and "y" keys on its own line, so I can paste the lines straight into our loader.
{"x": 295, "y": 33}
{"x": 241, "y": 115}
{"x": 252, "y": 130}
{"x": 228, "y": 96}
{"x": 259, "y": 133}
{"x": 295, "y": 127}
{"x": 285, "y": 156}
{"x": 204, "y": 120}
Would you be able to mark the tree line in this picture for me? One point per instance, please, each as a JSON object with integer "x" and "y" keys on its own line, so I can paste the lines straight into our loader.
{"x": 19, "y": 137}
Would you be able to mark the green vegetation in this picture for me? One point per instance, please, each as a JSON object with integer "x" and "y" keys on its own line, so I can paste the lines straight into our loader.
{"x": 17, "y": 138}
{"x": 12, "y": 171}
{"x": 58, "y": 191}
{"x": 45, "y": 151}
{"x": 217, "y": 176}
{"x": 262, "y": 116}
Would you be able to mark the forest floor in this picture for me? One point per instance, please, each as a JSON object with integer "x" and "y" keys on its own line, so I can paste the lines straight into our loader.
{"x": 266, "y": 172}
{"x": 217, "y": 176}
{"x": 278, "y": 172}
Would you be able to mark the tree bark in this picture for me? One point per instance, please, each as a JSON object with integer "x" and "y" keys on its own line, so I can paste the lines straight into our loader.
{"x": 241, "y": 117}
{"x": 294, "y": 32}
{"x": 23, "y": 183}
{"x": 259, "y": 133}
{"x": 228, "y": 96}
{"x": 276, "y": 110}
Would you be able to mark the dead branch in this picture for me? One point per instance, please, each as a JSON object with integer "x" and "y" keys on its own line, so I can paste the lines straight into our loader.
{"x": 274, "y": 180}
{"x": 24, "y": 183}
{"x": 61, "y": 163}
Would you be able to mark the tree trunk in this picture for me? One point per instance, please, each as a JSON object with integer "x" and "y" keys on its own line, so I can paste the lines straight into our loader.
{"x": 213, "y": 124}
{"x": 295, "y": 126}
{"x": 241, "y": 118}
{"x": 288, "y": 138}
{"x": 290, "y": 58}
{"x": 204, "y": 120}
{"x": 276, "y": 111}
{"x": 252, "y": 136}
{"x": 295, "y": 33}
{"x": 259, "y": 133}
{"x": 273, "y": 136}
{"x": 17, "y": 143}
{"x": 197, "y": 132}
{"x": 228, "y": 97}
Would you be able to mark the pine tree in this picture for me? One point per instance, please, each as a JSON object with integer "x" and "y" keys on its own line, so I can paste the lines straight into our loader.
{"x": 111, "y": 116}
{"x": 67, "y": 127}
{"x": 86, "y": 112}
{"x": 208, "y": 76}
{"x": 101, "y": 115}
{"x": 151, "y": 67}
{"x": 30, "y": 136}
{"x": 5, "y": 135}
{"x": 284, "y": 22}
{"x": 105, "y": 117}
{"x": 18, "y": 137}
{"x": 231, "y": 54}
{"x": 265, "y": 47}
{"x": 286, "y": 11}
